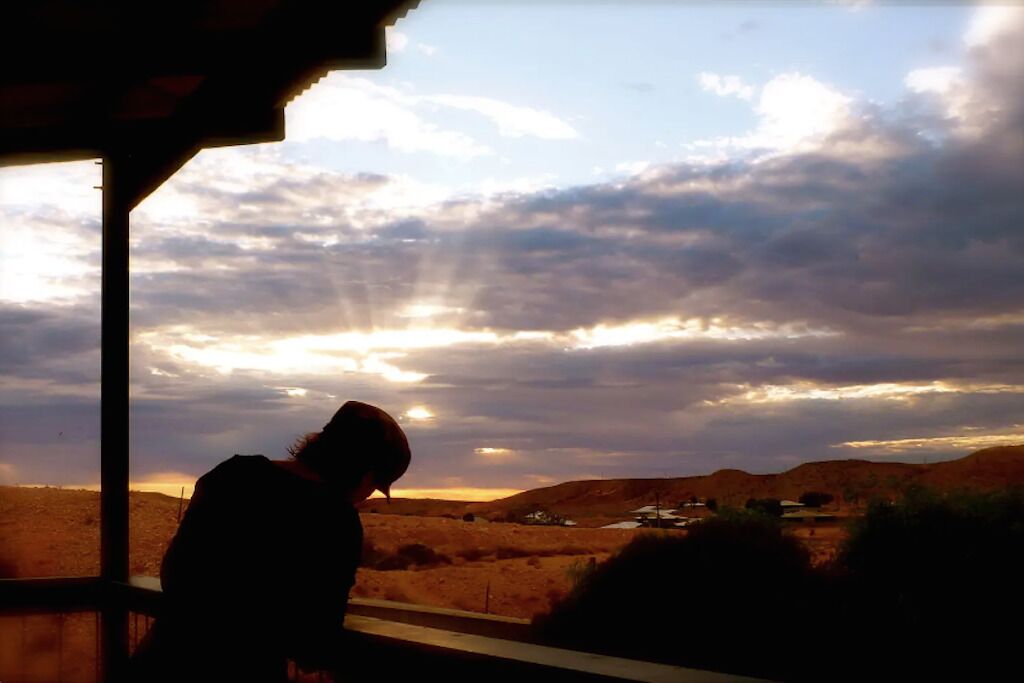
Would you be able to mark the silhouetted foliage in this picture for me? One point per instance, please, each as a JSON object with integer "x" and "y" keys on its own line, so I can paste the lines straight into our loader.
{"x": 712, "y": 504}
{"x": 469, "y": 517}
{"x": 371, "y": 555}
{"x": 413, "y": 554}
{"x": 768, "y": 506}
{"x": 816, "y": 499}
{"x": 472, "y": 554}
{"x": 935, "y": 577}
{"x": 734, "y": 569}
{"x": 581, "y": 570}
{"x": 924, "y": 589}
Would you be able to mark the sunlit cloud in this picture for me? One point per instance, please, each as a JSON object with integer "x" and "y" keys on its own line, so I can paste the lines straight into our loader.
{"x": 348, "y": 108}
{"x": 674, "y": 329}
{"x": 937, "y": 79}
{"x": 428, "y": 310}
{"x": 72, "y": 186}
{"x": 512, "y": 120}
{"x": 38, "y": 267}
{"x": 890, "y": 391}
{"x": 990, "y": 21}
{"x": 419, "y": 413}
{"x": 725, "y": 85}
{"x": 374, "y": 352}
{"x": 492, "y": 452}
{"x": 960, "y": 442}
{"x": 795, "y": 113}
{"x": 396, "y": 41}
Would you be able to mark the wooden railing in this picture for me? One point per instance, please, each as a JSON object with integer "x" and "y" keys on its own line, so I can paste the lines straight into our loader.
{"x": 389, "y": 641}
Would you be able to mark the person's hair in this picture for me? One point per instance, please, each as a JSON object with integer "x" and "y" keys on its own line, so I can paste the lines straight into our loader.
{"x": 360, "y": 439}
{"x": 311, "y": 451}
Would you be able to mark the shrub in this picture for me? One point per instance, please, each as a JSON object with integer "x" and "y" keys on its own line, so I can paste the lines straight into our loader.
{"x": 469, "y": 517}
{"x": 924, "y": 589}
{"x": 580, "y": 571}
{"x": 371, "y": 555}
{"x": 816, "y": 499}
{"x": 933, "y": 578}
{"x": 505, "y": 552}
{"x": 413, "y": 554}
{"x": 768, "y": 506}
{"x": 472, "y": 554}
{"x": 731, "y": 573}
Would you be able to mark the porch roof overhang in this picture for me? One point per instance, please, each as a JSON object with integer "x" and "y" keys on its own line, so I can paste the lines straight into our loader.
{"x": 158, "y": 81}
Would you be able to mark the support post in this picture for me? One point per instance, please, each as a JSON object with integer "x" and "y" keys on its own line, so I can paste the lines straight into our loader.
{"x": 114, "y": 418}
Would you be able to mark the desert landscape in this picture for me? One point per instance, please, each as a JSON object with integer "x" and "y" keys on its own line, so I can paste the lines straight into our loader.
{"x": 447, "y": 553}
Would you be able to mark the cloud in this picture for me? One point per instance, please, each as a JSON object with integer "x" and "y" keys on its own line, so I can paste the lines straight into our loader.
{"x": 938, "y": 79}
{"x": 795, "y": 108}
{"x": 963, "y": 442}
{"x": 795, "y": 113}
{"x": 512, "y": 120}
{"x": 862, "y": 285}
{"x": 990, "y": 21}
{"x": 396, "y": 40}
{"x": 725, "y": 86}
{"x": 349, "y": 108}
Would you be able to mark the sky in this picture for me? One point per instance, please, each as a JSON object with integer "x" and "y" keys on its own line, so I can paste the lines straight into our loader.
{"x": 563, "y": 242}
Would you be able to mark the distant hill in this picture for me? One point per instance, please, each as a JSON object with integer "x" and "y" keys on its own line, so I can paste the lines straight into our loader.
{"x": 851, "y": 482}
{"x": 420, "y": 507}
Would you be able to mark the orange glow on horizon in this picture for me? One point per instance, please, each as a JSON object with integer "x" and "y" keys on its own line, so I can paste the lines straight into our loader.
{"x": 173, "y": 488}
{"x": 462, "y": 493}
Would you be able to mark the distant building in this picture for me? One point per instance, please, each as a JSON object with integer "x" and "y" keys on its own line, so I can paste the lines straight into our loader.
{"x": 545, "y": 518}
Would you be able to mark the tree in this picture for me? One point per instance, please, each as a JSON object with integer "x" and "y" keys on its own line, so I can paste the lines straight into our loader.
{"x": 815, "y": 499}
{"x": 712, "y": 504}
{"x": 768, "y": 506}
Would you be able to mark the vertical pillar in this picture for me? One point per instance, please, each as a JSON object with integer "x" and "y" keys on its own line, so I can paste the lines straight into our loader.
{"x": 114, "y": 418}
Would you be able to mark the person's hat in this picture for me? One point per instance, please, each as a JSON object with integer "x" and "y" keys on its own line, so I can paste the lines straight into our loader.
{"x": 369, "y": 432}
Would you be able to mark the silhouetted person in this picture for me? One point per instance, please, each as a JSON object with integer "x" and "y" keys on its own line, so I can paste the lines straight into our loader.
{"x": 260, "y": 569}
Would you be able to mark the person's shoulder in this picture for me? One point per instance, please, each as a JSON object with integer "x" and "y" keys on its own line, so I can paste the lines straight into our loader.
{"x": 235, "y": 466}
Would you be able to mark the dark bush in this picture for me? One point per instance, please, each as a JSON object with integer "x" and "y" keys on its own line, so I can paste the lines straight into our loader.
{"x": 371, "y": 555}
{"x": 509, "y": 553}
{"x": 768, "y": 506}
{"x": 924, "y": 589}
{"x": 411, "y": 555}
{"x": 472, "y": 554}
{"x": 816, "y": 499}
{"x": 936, "y": 582}
{"x": 469, "y": 517}
{"x": 710, "y": 599}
